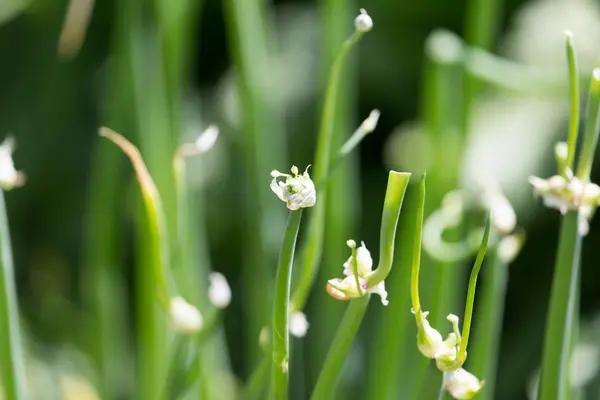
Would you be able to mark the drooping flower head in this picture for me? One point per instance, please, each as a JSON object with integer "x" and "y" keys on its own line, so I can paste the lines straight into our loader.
{"x": 354, "y": 286}
{"x": 219, "y": 292}
{"x": 9, "y": 176}
{"x": 185, "y": 318}
{"x": 297, "y": 191}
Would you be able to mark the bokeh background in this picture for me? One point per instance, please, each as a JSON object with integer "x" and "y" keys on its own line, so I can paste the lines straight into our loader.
{"x": 160, "y": 72}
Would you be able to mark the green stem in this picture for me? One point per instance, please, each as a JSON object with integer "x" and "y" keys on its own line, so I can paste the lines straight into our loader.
{"x": 574, "y": 100}
{"x": 414, "y": 279}
{"x": 592, "y": 127}
{"x": 13, "y": 374}
{"x": 488, "y": 324}
{"x": 312, "y": 249}
{"x": 280, "y": 333}
{"x": 556, "y": 356}
{"x": 466, "y": 329}
{"x": 257, "y": 383}
{"x": 339, "y": 349}
{"x": 396, "y": 188}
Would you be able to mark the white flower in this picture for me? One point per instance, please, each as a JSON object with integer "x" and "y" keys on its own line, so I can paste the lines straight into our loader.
{"x": 219, "y": 292}
{"x": 9, "y": 176}
{"x": 429, "y": 339}
{"x": 185, "y": 317}
{"x": 298, "y": 191}
{"x": 346, "y": 289}
{"x": 363, "y": 23}
{"x": 461, "y": 384}
{"x": 509, "y": 247}
{"x": 446, "y": 357}
{"x": 298, "y": 324}
{"x": 207, "y": 139}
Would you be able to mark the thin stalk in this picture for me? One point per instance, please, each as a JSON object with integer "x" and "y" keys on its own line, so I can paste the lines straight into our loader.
{"x": 483, "y": 359}
{"x": 13, "y": 373}
{"x": 466, "y": 328}
{"x": 574, "y": 99}
{"x": 557, "y": 342}
{"x": 416, "y": 264}
{"x": 312, "y": 249}
{"x": 396, "y": 189}
{"x": 339, "y": 349}
{"x": 280, "y": 332}
{"x": 263, "y": 149}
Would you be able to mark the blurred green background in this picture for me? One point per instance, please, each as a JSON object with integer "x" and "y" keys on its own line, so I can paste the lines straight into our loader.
{"x": 169, "y": 66}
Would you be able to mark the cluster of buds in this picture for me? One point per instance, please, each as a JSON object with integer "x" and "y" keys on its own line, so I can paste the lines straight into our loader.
{"x": 446, "y": 353}
{"x": 297, "y": 191}
{"x": 356, "y": 271}
{"x": 569, "y": 193}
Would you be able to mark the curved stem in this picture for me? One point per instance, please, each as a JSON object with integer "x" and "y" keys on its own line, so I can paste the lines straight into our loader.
{"x": 280, "y": 334}
{"x": 396, "y": 188}
{"x": 462, "y": 355}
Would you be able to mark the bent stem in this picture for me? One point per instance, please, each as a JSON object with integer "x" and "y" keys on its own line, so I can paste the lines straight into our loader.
{"x": 312, "y": 249}
{"x": 13, "y": 374}
{"x": 155, "y": 213}
{"x": 280, "y": 334}
{"x": 340, "y": 347}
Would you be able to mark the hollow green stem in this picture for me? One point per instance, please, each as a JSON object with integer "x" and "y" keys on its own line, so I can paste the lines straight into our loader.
{"x": 13, "y": 374}
{"x": 416, "y": 264}
{"x": 466, "y": 329}
{"x": 312, "y": 249}
{"x": 592, "y": 126}
{"x": 339, "y": 349}
{"x": 280, "y": 333}
{"x": 574, "y": 100}
{"x": 396, "y": 188}
{"x": 556, "y": 356}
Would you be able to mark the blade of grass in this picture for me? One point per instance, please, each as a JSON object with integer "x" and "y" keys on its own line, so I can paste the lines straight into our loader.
{"x": 396, "y": 190}
{"x": 13, "y": 373}
{"x": 263, "y": 149}
{"x": 280, "y": 333}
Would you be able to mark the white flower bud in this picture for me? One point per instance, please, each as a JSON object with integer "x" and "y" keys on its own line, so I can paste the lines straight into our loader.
{"x": 429, "y": 339}
{"x": 370, "y": 123}
{"x": 9, "y": 176}
{"x": 363, "y": 260}
{"x": 509, "y": 247}
{"x": 298, "y": 324}
{"x": 461, "y": 384}
{"x": 185, "y": 317}
{"x": 561, "y": 150}
{"x": 298, "y": 191}
{"x": 345, "y": 289}
{"x": 351, "y": 243}
{"x": 264, "y": 337}
{"x": 363, "y": 23}
{"x": 219, "y": 292}
{"x": 207, "y": 139}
